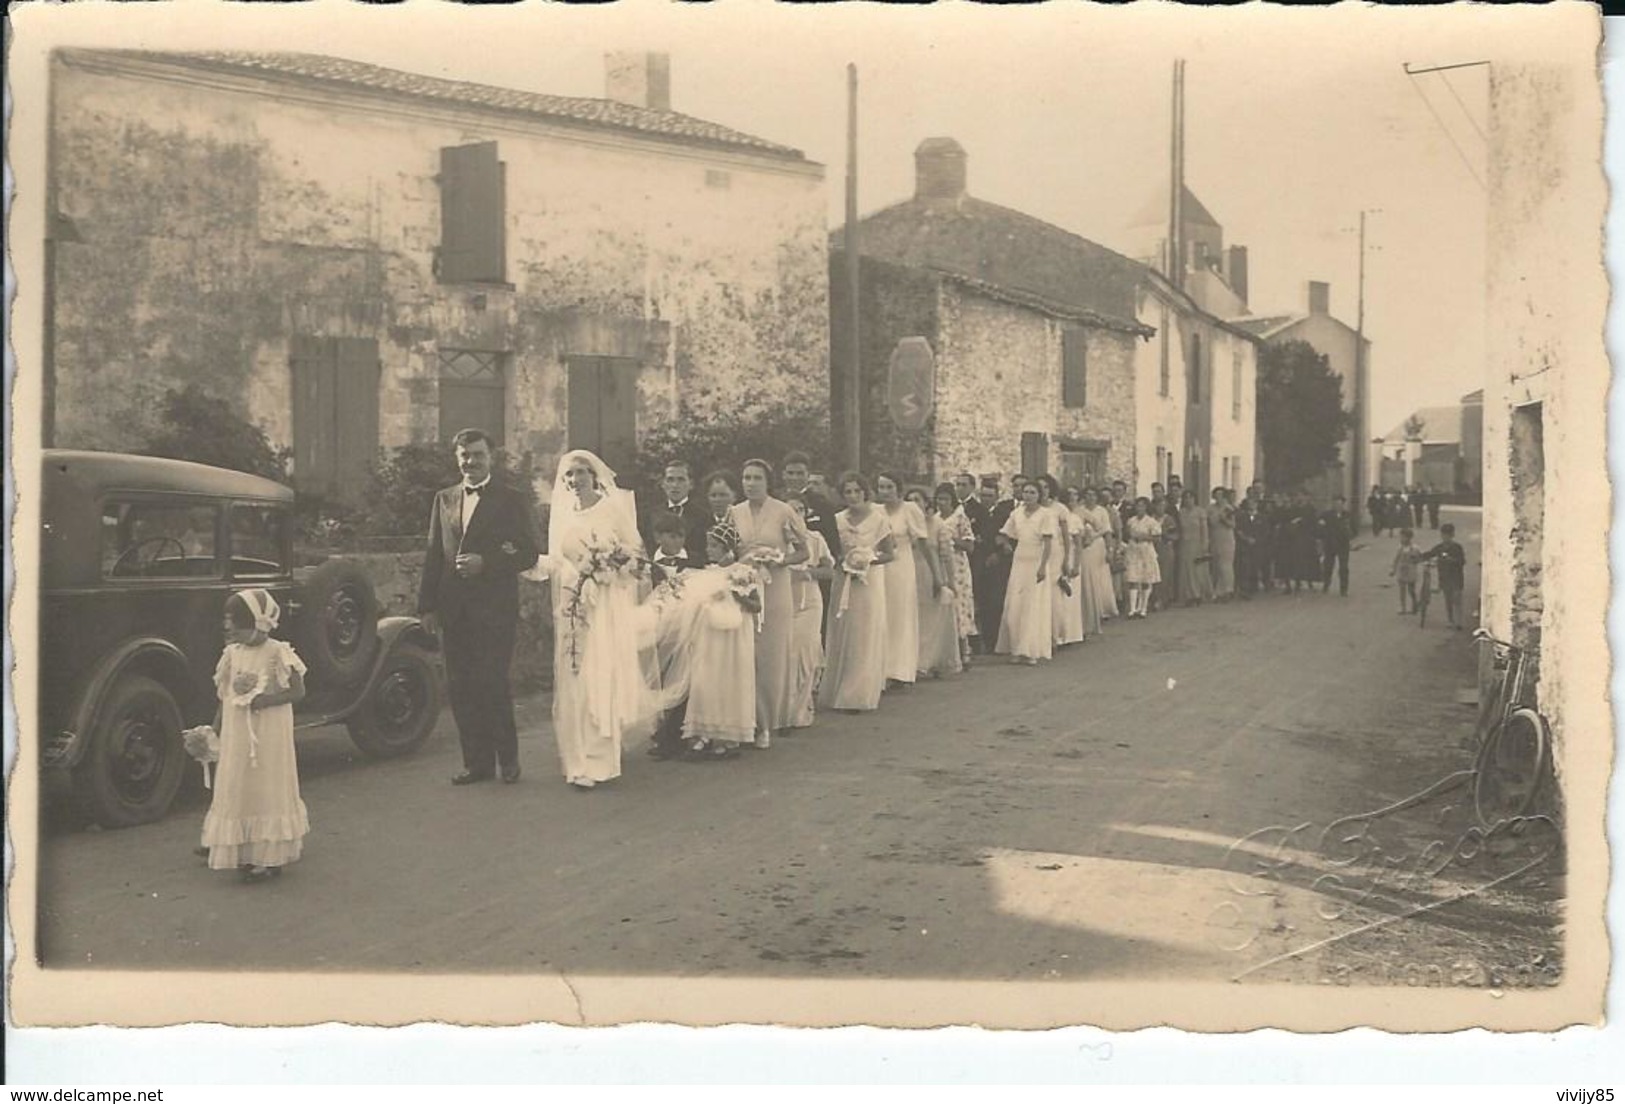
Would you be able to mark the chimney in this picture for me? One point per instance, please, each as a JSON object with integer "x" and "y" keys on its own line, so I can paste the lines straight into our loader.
{"x": 1320, "y": 297}
{"x": 639, "y": 79}
{"x": 1237, "y": 276}
{"x": 939, "y": 169}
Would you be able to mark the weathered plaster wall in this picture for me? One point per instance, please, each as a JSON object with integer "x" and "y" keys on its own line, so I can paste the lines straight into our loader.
{"x": 1161, "y": 417}
{"x": 217, "y": 223}
{"x": 1545, "y": 532}
{"x": 1234, "y": 424}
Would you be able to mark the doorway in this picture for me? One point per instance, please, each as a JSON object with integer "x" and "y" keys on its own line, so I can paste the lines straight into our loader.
{"x": 335, "y": 414}
{"x": 603, "y": 409}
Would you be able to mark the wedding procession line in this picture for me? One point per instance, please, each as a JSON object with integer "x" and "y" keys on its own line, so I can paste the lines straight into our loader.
{"x": 709, "y": 628}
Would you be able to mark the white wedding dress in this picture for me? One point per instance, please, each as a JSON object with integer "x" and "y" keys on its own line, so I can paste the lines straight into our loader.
{"x": 606, "y": 682}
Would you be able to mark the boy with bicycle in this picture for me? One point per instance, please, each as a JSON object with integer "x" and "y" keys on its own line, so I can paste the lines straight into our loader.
{"x": 1452, "y": 560}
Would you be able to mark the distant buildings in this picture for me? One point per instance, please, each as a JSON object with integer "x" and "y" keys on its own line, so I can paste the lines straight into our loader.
{"x": 1198, "y": 377}
{"x": 356, "y": 258}
{"x": 1053, "y": 353}
{"x": 1032, "y": 329}
{"x": 1436, "y": 446}
{"x": 1338, "y": 342}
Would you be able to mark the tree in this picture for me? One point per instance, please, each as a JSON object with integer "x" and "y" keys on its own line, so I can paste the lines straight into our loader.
{"x": 1414, "y": 425}
{"x": 1301, "y": 420}
{"x": 195, "y": 425}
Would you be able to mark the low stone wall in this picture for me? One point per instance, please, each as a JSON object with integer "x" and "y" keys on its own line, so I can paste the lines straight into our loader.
{"x": 395, "y": 578}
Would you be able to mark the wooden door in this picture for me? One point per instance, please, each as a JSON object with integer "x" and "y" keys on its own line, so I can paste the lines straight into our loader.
{"x": 603, "y": 409}
{"x": 1034, "y": 454}
{"x": 335, "y": 414}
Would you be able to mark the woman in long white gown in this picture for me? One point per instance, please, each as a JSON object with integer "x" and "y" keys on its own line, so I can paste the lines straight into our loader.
{"x": 908, "y": 530}
{"x": 1026, "y": 633}
{"x": 1066, "y": 617}
{"x": 606, "y": 685}
{"x": 1097, "y": 554}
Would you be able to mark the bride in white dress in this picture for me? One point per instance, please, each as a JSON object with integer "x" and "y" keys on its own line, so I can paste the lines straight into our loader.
{"x": 606, "y": 684}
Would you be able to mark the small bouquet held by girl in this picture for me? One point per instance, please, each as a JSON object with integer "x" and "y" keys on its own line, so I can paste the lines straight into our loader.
{"x": 202, "y": 743}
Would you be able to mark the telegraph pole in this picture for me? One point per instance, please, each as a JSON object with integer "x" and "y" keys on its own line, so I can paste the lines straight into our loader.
{"x": 852, "y": 381}
{"x": 1361, "y": 431}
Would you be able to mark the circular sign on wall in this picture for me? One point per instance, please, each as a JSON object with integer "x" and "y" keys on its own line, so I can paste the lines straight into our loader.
{"x": 911, "y": 383}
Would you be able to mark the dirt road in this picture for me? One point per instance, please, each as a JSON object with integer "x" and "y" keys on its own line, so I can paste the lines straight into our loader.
{"x": 1080, "y": 820}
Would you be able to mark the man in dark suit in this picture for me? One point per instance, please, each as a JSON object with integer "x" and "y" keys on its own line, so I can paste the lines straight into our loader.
{"x": 797, "y": 470}
{"x": 1336, "y": 536}
{"x": 675, "y": 486}
{"x": 990, "y": 583}
{"x": 481, "y": 536}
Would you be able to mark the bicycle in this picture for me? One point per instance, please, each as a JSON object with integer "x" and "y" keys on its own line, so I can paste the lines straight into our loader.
{"x": 1514, "y": 755}
{"x": 1424, "y": 594}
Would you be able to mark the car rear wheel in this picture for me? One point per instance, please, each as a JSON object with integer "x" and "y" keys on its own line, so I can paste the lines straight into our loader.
{"x": 403, "y": 707}
{"x": 133, "y": 767}
{"x": 338, "y": 624}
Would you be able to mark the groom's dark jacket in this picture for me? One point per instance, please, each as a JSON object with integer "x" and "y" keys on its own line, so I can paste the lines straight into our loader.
{"x": 503, "y": 532}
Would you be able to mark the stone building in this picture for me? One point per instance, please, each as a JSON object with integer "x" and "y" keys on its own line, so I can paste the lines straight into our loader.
{"x": 357, "y": 258}
{"x": 1198, "y": 378}
{"x": 1031, "y": 329}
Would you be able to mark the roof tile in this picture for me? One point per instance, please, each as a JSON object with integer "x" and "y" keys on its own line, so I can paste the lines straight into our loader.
{"x": 573, "y": 109}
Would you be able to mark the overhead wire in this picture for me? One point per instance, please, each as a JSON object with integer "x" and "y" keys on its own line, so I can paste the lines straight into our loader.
{"x": 1466, "y": 164}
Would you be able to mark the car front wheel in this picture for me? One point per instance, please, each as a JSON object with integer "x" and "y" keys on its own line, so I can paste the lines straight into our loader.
{"x": 133, "y": 767}
{"x": 403, "y": 706}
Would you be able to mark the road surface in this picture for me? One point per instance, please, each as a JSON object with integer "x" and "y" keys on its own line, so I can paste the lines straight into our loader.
{"x": 1079, "y": 821}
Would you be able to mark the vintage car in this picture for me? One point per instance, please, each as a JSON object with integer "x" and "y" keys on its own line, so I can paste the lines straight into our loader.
{"x": 137, "y": 557}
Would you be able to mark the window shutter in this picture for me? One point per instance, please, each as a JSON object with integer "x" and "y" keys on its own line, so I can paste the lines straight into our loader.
{"x": 356, "y": 415}
{"x": 472, "y": 214}
{"x": 1074, "y": 367}
{"x": 1034, "y": 454}
{"x": 1162, "y": 377}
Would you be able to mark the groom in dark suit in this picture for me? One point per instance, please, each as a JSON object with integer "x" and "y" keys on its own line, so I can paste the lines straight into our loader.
{"x": 481, "y": 536}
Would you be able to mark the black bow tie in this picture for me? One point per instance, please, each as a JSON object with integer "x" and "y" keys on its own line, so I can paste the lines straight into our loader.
{"x": 467, "y": 490}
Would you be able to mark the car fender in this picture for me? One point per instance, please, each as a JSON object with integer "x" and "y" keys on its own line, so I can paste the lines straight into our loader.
{"x": 167, "y": 663}
{"x": 392, "y": 632}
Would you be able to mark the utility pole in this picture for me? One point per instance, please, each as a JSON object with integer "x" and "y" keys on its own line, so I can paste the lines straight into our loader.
{"x": 1176, "y": 184}
{"x": 1361, "y": 431}
{"x": 852, "y": 381}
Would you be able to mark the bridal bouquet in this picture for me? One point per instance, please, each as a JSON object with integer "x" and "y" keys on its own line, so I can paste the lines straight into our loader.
{"x": 203, "y": 744}
{"x": 855, "y": 566}
{"x": 763, "y": 557}
{"x": 600, "y": 565}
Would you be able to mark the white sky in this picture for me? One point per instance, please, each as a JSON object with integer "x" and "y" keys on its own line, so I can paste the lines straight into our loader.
{"x": 1295, "y": 121}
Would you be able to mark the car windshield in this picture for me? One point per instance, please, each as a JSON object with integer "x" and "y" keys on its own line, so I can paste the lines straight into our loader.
{"x": 258, "y": 541}
{"x": 158, "y": 540}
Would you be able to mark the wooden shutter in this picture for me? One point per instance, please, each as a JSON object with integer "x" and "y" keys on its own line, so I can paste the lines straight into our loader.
{"x": 315, "y": 393}
{"x": 603, "y": 408}
{"x": 355, "y": 414}
{"x": 472, "y": 214}
{"x": 1074, "y": 367}
{"x": 1034, "y": 454}
{"x": 335, "y": 414}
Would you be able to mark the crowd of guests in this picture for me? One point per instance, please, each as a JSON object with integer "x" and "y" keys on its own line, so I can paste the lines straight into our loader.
{"x": 869, "y": 584}
{"x": 1391, "y": 510}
